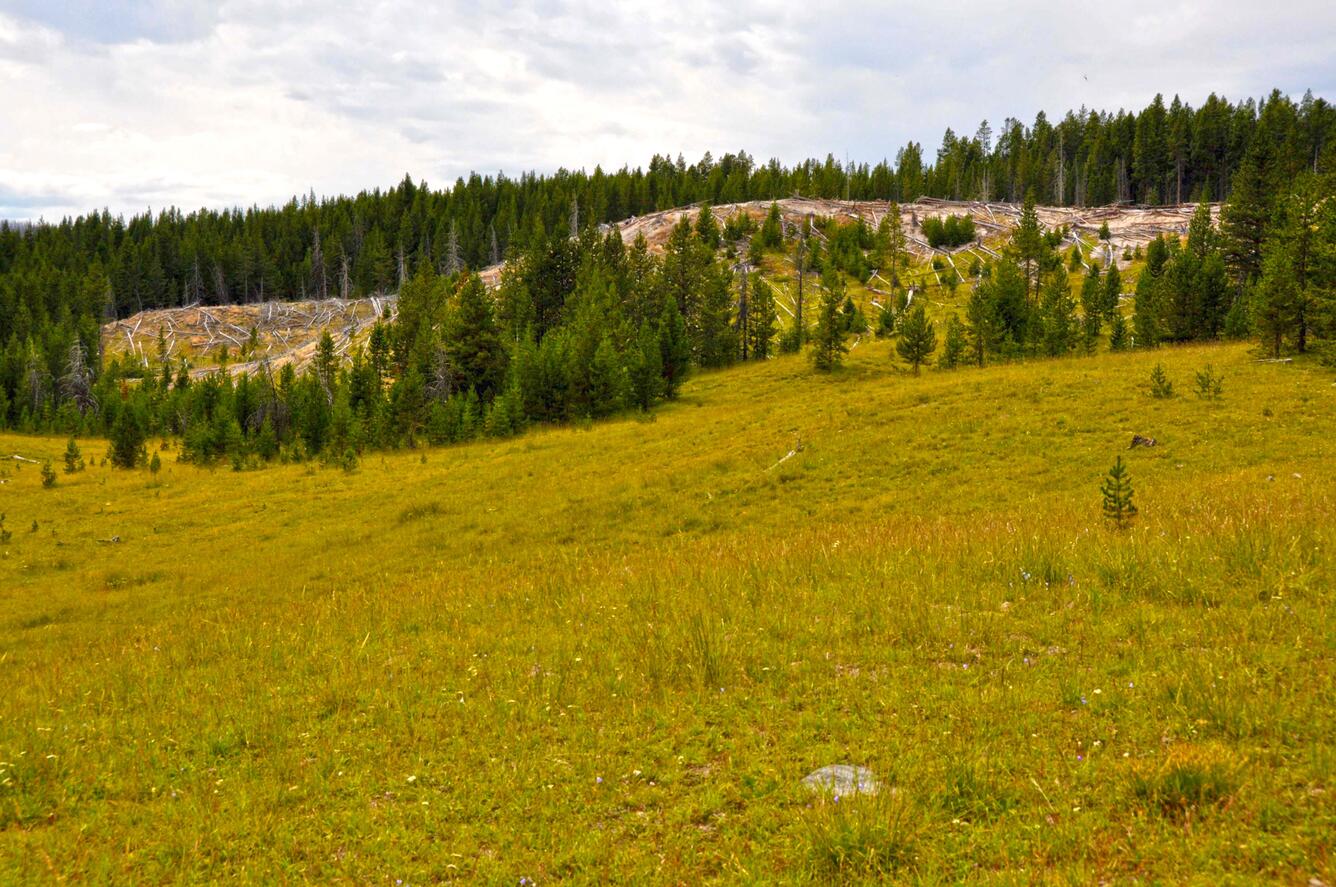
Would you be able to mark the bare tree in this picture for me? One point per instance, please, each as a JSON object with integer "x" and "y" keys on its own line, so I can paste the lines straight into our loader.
{"x": 453, "y": 263}
{"x": 76, "y": 385}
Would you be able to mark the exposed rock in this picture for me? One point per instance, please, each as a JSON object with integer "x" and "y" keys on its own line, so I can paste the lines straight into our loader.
{"x": 842, "y": 779}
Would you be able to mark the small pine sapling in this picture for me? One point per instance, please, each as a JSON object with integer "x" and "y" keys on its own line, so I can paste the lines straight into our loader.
{"x": 5, "y": 535}
{"x": 154, "y": 464}
{"x": 73, "y": 458}
{"x": 1117, "y": 493}
{"x": 48, "y": 475}
{"x": 1209, "y": 385}
{"x": 1160, "y": 386}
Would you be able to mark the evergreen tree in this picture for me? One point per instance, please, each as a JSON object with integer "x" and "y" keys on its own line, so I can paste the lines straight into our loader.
{"x": 828, "y": 348}
{"x": 953, "y": 349}
{"x": 982, "y": 323}
{"x": 674, "y": 348}
{"x": 1116, "y": 492}
{"x": 645, "y": 368}
{"x": 1113, "y": 287}
{"x": 1027, "y": 241}
{"x": 1276, "y": 300}
{"x": 472, "y": 340}
{"x": 73, "y": 458}
{"x": 763, "y": 320}
{"x": 1058, "y": 315}
{"x": 1118, "y": 333}
{"x": 1160, "y": 386}
{"x": 707, "y": 229}
{"x": 48, "y": 475}
{"x": 918, "y": 338}
{"x": 1243, "y": 221}
{"x": 127, "y": 438}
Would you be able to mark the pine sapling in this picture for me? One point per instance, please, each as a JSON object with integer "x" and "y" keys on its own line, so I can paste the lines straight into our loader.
{"x": 48, "y": 475}
{"x": 1209, "y": 385}
{"x": 73, "y": 458}
{"x": 1117, "y": 492}
{"x": 1160, "y": 386}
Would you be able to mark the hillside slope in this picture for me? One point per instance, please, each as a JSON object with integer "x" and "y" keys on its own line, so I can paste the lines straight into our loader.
{"x": 277, "y": 333}
{"x": 612, "y": 653}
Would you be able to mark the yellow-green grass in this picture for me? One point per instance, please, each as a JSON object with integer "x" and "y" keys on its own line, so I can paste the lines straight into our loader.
{"x": 611, "y": 654}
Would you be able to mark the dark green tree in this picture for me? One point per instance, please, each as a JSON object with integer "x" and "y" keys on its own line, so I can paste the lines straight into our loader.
{"x": 918, "y": 338}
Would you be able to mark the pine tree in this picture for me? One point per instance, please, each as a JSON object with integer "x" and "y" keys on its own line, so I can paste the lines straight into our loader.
{"x": 982, "y": 323}
{"x": 674, "y": 348}
{"x": 1113, "y": 287}
{"x": 73, "y": 458}
{"x": 1243, "y": 221}
{"x": 953, "y": 349}
{"x": 763, "y": 319}
{"x": 127, "y": 438}
{"x": 918, "y": 338}
{"x": 1116, "y": 491}
{"x": 1028, "y": 241}
{"x": 155, "y": 464}
{"x": 707, "y": 229}
{"x": 48, "y": 474}
{"x": 1058, "y": 315}
{"x": 645, "y": 368}
{"x": 472, "y": 340}
{"x": 1118, "y": 333}
{"x": 828, "y": 348}
{"x": 1146, "y": 311}
{"x": 1160, "y": 386}
{"x": 1275, "y": 301}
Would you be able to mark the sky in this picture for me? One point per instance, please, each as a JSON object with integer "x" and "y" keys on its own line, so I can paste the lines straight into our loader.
{"x": 136, "y": 105}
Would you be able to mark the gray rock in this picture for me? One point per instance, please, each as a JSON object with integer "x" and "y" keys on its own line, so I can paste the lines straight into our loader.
{"x": 842, "y": 779}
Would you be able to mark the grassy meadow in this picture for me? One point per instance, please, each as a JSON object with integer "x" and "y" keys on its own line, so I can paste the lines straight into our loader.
{"x": 610, "y": 654}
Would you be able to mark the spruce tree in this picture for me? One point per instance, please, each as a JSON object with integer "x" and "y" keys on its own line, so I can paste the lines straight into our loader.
{"x": 48, "y": 474}
{"x": 918, "y": 337}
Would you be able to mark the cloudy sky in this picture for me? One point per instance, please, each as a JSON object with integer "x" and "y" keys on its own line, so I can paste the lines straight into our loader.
{"x": 130, "y": 105}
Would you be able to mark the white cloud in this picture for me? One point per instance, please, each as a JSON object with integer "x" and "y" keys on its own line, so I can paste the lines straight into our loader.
{"x": 127, "y": 105}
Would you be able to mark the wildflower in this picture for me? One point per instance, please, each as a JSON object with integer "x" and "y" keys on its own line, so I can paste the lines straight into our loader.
{"x": 598, "y": 779}
{"x": 1083, "y": 701}
{"x": 412, "y": 779}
